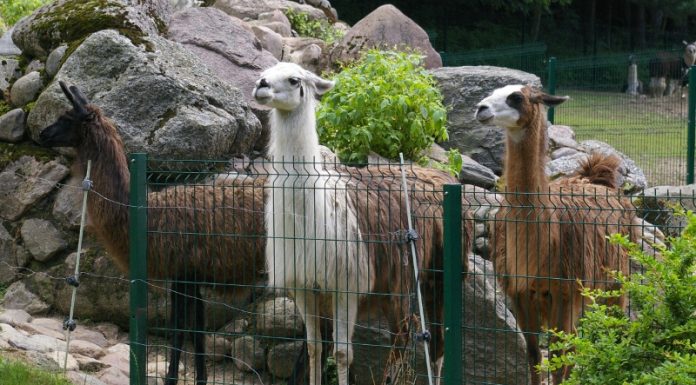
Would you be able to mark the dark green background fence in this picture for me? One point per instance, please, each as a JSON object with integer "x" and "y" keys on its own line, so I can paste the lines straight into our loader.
{"x": 650, "y": 131}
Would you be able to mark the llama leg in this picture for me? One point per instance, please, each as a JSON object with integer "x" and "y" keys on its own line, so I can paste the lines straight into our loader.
{"x": 199, "y": 336}
{"x": 527, "y": 316}
{"x": 308, "y": 306}
{"x": 177, "y": 317}
{"x": 566, "y": 308}
{"x": 345, "y": 314}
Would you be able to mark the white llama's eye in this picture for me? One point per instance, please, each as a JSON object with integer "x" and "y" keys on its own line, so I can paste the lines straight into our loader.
{"x": 293, "y": 81}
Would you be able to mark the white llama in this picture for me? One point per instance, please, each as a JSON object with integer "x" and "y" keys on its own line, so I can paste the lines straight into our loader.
{"x": 314, "y": 244}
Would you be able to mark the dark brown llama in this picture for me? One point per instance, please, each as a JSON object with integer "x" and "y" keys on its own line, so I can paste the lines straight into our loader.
{"x": 551, "y": 236}
{"x": 235, "y": 258}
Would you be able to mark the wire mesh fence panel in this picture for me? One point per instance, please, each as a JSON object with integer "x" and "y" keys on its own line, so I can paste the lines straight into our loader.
{"x": 220, "y": 307}
{"x": 529, "y": 57}
{"x": 230, "y": 302}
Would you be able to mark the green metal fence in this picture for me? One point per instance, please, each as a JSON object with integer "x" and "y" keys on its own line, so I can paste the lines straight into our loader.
{"x": 652, "y": 131}
{"x": 254, "y": 334}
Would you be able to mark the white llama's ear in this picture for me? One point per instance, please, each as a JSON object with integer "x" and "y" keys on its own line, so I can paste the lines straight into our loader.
{"x": 321, "y": 86}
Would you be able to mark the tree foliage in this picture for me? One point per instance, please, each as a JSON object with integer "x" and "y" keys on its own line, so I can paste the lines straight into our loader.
{"x": 385, "y": 102}
{"x": 13, "y": 10}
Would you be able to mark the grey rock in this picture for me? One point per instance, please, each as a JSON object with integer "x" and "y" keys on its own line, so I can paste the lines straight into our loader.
{"x": 67, "y": 21}
{"x": 270, "y": 40}
{"x": 476, "y": 173}
{"x": 113, "y": 376}
{"x": 494, "y": 350}
{"x": 7, "y": 46}
{"x": 276, "y": 21}
{"x": 482, "y": 247}
{"x": 86, "y": 348}
{"x": 564, "y": 152}
{"x": 14, "y": 317}
{"x": 42, "y": 239}
{"x": 83, "y": 378}
{"x": 277, "y": 317}
{"x": 54, "y": 59}
{"x": 227, "y": 46}
{"x": 59, "y": 357}
{"x": 168, "y": 105}
{"x": 252, "y": 9}
{"x": 281, "y": 358}
{"x": 117, "y": 356}
{"x": 12, "y": 257}
{"x": 12, "y": 125}
{"x": 18, "y": 296}
{"x": 561, "y": 136}
{"x": 67, "y": 207}
{"x": 26, "y": 181}
{"x": 26, "y": 88}
{"x": 9, "y": 72}
{"x": 307, "y": 52}
{"x": 218, "y": 348}
{"x": 462, "y": 88}
{"x": 34, "y": 65}
{"x": 249, "y": 355}
{"x": 279, "y": 28}
{"x": 385, "y": 27}
{"x": 88, "y": 364}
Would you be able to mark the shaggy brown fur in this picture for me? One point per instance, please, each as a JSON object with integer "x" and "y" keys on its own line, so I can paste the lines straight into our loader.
{"x": 199, "y": 234}
{"x": 550, "y": 236}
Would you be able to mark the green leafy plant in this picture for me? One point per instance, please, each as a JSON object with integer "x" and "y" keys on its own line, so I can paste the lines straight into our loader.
{"x": 658, "y": 347}
{"x": 385, "y": 102}
{"x": 15, "y": 372}
{"x": 13, "y": 10}
{"x": 306, "y": 26}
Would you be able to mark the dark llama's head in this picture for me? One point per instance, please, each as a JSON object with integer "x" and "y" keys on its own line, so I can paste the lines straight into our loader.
{"x": 70, "y": 128}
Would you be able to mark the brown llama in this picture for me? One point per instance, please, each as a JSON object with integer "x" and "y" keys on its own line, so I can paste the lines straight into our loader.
{"x": 345, "y": 263}
{"x": 175, "y": 211}
{"x": 551, "y": 236}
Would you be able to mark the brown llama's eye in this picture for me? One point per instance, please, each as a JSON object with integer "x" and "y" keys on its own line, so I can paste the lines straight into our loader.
{"x": 294, "y": 81}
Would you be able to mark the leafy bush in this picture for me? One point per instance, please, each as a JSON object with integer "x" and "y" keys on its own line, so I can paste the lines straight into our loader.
{"x": 305, "y": 26}
{"x": 658, "y": 347}
{"x": 13, "y": 10}
{"x": 385, "y": 102}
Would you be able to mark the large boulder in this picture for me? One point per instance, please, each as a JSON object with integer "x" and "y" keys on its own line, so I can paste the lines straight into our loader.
{"x": 166, "y": 104}
{"x": 227, "y": 46}
{"x": 251, "y": 9}
{"x": 68, "y": 21}
{"x": 386, "y": 27}
{"x": 462, "y": 88}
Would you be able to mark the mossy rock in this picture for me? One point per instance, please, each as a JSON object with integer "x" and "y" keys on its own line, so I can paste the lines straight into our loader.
{"x": 68, "y": 21}
{"x": 10, "y": 152}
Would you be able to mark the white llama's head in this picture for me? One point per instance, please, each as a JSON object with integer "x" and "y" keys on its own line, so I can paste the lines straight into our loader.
{"x": 689, "y": 53}
{"x": 287, "y": 86}
{"x": 513, "y": 106}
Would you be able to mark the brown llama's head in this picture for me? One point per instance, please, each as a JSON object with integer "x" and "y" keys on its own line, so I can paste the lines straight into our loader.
{"x": 68, "y": 130}
{"x": 515, "y": 106}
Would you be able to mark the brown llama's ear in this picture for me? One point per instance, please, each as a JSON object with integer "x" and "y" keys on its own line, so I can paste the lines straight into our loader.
{"x": 538, "y": 96}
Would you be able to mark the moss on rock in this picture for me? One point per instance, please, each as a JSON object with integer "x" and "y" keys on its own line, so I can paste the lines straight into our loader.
{"x": 10, "y": 152}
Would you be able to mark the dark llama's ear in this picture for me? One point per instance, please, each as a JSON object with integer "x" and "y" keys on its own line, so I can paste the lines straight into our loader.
{"x": 79, "y": 96}
{"x": 75, "y": 98}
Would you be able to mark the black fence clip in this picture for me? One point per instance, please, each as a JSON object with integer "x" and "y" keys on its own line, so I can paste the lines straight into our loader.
{"x": 69, "y": 324}
{"x": 423, "y": 336}
{"x": 72, "y": 281}
{"x": 86, "y": 185}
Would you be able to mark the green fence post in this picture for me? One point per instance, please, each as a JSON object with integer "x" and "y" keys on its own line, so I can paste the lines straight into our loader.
{"x": 690, "y": 129}
{"x": 137, "y": 233}
{"x": 443, "y": 56}
{"x": 552, "y": 86}
{"x": 452, "y": 270}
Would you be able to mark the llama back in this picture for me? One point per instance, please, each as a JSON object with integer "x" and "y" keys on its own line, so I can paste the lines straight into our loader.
{"x": 211, "y": 222}
{"x": 601, "y": 169}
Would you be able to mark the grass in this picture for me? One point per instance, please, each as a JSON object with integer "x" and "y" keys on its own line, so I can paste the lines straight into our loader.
{"x": 17, "y": 372}
{"x": 652, "y": 132}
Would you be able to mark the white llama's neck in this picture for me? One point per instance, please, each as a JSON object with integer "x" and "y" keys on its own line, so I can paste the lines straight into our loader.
{"x": 294, "y": 134}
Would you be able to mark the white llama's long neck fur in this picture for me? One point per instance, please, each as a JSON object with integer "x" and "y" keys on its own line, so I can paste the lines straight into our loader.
{"x": 313, "y": 235}
{"x": 294, "y": 134}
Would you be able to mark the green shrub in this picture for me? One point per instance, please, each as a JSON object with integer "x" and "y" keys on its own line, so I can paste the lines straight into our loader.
{"x": 305, "y": 26}
{"x": 658, "y": 347}
{"x": 13, "y": 10}
{"x": 385, "y": 102}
